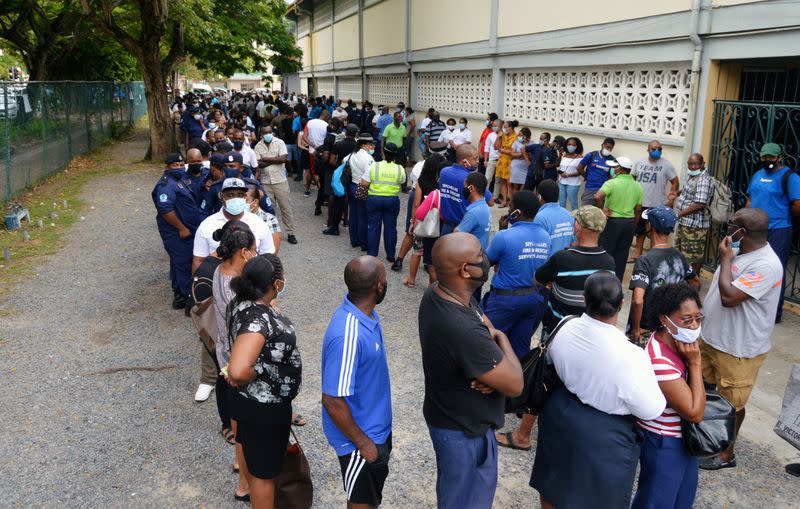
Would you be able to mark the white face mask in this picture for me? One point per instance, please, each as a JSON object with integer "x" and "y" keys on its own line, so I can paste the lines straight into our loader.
{"x": 572, "y": 148}
{"x": 683, "y": 334}
{"x": 605, "y": 152}
{"x": 451, "y": 128}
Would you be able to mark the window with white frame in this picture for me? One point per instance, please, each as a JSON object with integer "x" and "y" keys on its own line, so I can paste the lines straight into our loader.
{"x": 350, "y": 88}
{"x": 325, "y": 86}
{"x": 459, "y": 93}
{"x": 644, "y": 101}
{"x": 387, "y": 89}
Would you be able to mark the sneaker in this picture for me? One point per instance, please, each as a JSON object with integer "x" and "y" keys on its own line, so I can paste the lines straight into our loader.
{"x": 306, "y": 193}
{"x": 291, "y": 239}
{"x": 715, "y": 463}
{"x": 179, "y": 301}
{"x": 397, "y": 266}
{"x": 318, "y": 211}
{"x": 331, "y": 231}
{"x": 203, "y": 392}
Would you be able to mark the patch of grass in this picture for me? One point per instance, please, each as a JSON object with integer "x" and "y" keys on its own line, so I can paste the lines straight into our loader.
{"x": 44, "y": 198}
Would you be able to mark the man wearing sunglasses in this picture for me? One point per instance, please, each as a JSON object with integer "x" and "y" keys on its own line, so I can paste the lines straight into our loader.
{"x": 740, "y": 307}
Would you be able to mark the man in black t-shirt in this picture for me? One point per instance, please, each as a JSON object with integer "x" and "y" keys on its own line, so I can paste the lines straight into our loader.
{"x": 662, "y": 265}
{"x": 469, "y": 367}
{"x": 338, "y": 204}
{"x": 566, "y": 271}
{"x": 323, "y": 168}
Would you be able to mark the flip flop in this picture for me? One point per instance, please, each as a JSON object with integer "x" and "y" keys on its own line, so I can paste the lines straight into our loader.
{"x": 407, "y": 283}
{"x": 510, "y": 443}
{"x": 299, "y": 420}
{"x": 228, "y": 435}
{"x": 241, "y": 498}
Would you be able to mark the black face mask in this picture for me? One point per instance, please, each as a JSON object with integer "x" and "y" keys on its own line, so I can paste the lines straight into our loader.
{"x": 485, "y": 266}
{"x": 195, "y": 168}
{"x": 238, "y": 144}
{"x": 466, "y": 193}
{"x": 768, "y": 165}
{"x": 382, "y": 295}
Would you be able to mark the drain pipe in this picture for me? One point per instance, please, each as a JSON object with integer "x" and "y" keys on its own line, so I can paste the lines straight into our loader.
{"x": 694, "y": 86}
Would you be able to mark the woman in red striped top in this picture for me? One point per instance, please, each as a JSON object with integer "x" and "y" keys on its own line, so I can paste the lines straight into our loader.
{"x": 668, "y": 474}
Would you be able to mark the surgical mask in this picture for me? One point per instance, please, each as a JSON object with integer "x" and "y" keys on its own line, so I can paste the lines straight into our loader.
{"x": 520, "y": 139}
{"x": 683, "y": 334}
{"x": 694, "y": 173}
{"x": 513, "y": 217}
{"x": 466, "y": 192}
{"x": 485, "y": 266}
{"x": 198, "y": 117}
{"x": 283, "y": 288}
{"x": 655, "y": 154}
{"x": 605, "y": 152}
{"x": 736, "y": 244}
{"x": 495, "y": 129}
{"x": 195, "y": 168}
{"x": 505, "y": 130}
{"x": 487, "y": 123}
{"x": 612, "y": 172}
{"x": 542, "y": 142}
{"x": 235, "y": 206}
{"x": 468, "y": 166}
{"x": 461, "y": 126}
{"x": 238, "y": 144}
{"x": 383, "y": 295}
{"x": 371, "y": 151}
{"x": 212, "y": 125}
{"x": 572, "y": 148}
{"x": 267, "y": 138}
{"x": 451, "y": 128}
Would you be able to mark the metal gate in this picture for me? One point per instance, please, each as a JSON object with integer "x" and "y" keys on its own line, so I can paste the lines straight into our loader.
{"x": 739, "y": 131}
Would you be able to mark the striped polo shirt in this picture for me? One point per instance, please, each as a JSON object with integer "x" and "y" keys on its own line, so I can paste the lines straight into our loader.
{"x": 354, "y": 368}
{"x": 667, "y": 366}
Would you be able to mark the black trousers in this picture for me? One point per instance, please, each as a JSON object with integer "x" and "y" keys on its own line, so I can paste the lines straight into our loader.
{"x": 221, "y": 393}
{"x": 337, "y": 210}
{"x": 616, "y": 240}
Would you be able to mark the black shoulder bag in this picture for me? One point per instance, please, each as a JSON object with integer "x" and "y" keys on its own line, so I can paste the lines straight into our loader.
{"x": 540, "y": 378}
{"x": 715, "y": 432}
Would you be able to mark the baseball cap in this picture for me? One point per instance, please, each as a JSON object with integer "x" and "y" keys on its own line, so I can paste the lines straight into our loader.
{"x": 661, "y": 218}
{"x": 234, "y": 157}
{"x": 217, "y": 160}
{"x": 770, "y": 149}
{"x": 233, "y": 183}
{"x": 390, "y": 147}
{"x": 590, "y": 217}
{"x": 223, "y": 146}
{"x": 174, "y": 157}
{"x": 622, "y": 162}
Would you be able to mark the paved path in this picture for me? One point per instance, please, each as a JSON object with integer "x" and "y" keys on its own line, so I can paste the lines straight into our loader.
{"x": 97, "y": 375}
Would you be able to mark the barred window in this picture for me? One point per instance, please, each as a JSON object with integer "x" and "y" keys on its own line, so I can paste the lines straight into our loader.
{"x": 325, "y": 86}
{"x": 388, "y": 89}
{"x": 647, "y": 101}
{"x": 350, "y": 88}
{"x": 457, "y": 93}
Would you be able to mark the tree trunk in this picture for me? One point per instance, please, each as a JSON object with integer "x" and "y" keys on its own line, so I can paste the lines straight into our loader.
{"x": 162, "y": 129}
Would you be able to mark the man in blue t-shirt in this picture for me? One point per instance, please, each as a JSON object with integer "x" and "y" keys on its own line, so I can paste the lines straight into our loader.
{"x": 382, "y": 120}
{"x": 554, "y": 218}
{"x": 477, "y": 219}
{"x": 356, "y": 399}
{"x": 775, "y": 189}
{"x": 452, "y": 205}
{"x": 595, "y": 169}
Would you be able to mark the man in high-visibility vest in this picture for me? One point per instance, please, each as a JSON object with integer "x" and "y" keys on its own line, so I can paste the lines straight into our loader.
{"x": 384, "y": 180}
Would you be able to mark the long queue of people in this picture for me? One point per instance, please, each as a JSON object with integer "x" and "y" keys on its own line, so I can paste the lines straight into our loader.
{"x": 622, "y": 396}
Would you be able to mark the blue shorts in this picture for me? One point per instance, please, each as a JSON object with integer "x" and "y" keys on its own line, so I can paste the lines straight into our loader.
{"x": 667, "y": 476}
{"x": 466, "y": 469}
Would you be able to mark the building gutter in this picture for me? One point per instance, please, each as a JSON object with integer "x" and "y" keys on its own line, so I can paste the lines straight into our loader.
{"x": 694, "y": 86}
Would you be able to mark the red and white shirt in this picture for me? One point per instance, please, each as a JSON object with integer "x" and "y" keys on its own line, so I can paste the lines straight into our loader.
{"x": 667, "y": 366}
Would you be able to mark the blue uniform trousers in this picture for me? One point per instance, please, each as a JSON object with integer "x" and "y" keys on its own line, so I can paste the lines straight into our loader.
{"x": 357, "y": 220}
{"x": 668, "y": 475}
{"x": 382, "y": 210}
{"x": 180, "y": 258}
{"x": 466, "y": 469}
{"x": 517, "y": 316}
{"x": 780, "y": 240}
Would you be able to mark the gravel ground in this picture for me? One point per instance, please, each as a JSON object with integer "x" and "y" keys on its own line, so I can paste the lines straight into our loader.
{"x": 97, "y": 376}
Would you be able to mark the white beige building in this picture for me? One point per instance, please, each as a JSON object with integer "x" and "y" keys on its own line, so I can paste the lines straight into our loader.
{"x": 631, "y": 69}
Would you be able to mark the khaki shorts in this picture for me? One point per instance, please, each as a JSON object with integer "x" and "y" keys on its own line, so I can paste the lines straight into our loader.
{"x": 733, "y": 376}
{"x": 691, "y": 242}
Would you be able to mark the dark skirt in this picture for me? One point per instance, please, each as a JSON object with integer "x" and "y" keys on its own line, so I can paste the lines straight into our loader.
{"x": 263, "y": 431}
{"x": 584, "y": 456}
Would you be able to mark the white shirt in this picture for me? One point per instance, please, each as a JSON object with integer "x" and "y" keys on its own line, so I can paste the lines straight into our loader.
{"x": 249, "y": 156}
{"x": 359, "y": 164}
{"x": 461, "y": 137}
{"x": 446, "y": 136}
{"x": 416, "y": 171}
{"x": 204, "y": 244}
{"x": 570, "y": 166}
{"x": 317, "y": 129}
{"x": 488, "y": 146}
{"x": 604, "y": 370}
{"x": 424, "y": 124}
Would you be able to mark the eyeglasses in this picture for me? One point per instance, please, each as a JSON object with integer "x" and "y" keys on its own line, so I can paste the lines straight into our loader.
{"x": 686, "y": 322}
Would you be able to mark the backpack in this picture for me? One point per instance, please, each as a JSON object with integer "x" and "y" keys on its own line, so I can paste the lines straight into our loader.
{"x": 721, "y": 205}
{"x": 337, "y": 180}
{"x": 204, "y": 318}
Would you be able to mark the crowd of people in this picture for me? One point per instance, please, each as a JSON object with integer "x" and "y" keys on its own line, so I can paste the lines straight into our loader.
{"x": 623, "y": 395}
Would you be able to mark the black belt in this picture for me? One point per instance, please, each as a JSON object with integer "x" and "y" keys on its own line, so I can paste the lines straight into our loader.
{"x": 527, "y": 290}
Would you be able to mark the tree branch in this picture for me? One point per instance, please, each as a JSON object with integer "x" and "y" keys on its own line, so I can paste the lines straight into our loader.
{"x": 177, "y": 50}
{"x": 107, "y": 24}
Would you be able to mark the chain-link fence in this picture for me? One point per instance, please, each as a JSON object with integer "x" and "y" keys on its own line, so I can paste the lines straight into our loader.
{"x": 44, "y": 124}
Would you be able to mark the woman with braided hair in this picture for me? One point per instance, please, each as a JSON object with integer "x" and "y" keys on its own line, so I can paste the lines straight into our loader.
{"x": 265, "y": 371}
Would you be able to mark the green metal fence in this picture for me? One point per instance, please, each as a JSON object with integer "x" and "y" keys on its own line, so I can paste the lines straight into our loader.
{"x": 739, "y": 131}
{"x": 44, "y": 124}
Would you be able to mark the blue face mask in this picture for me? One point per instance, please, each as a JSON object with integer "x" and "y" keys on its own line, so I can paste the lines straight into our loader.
{"x": 176, "y": 172}
{"x": 694, "y": 173}
{"x": 231, "y": 173}
{"x": 212, "y": 125}
{"x": 371, "y": 151}
{"x": 655, "y": 154}
{"x": 267, "y": 138}
{"x": 283, "y": 288}
{"x": 235, "y": 206}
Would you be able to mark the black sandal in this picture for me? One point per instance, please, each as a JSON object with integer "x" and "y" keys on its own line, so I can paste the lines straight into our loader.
{"x": 228, "y": 435}
{"x": 241, "y": 498}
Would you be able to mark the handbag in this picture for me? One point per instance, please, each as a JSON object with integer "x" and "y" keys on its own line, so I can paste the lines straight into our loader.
{"x": 539, "y": 377}
{"x": 429, "y": 226}
{"x": 293, "y": 487}
{"x": 788, "y": 425}
{"x": 715, "y": 432}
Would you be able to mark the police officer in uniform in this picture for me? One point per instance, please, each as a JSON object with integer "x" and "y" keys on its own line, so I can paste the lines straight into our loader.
{"x": 178, "y": 217}
{"x": 384, "y": 180}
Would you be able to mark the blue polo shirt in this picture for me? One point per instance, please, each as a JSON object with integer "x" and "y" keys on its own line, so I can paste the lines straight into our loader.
{"x": 559, "y": 224}
{"x": 477, "y": 221}
{"x": 596, "y": 169}
{"x": 766, "y": 192}
{"x": 297, "y": 125}
{"x": 382, "y": 122}
{"x": 354, "y": 368}
{"x": 452, "y": 206}
{"x": 518, "y": 252}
